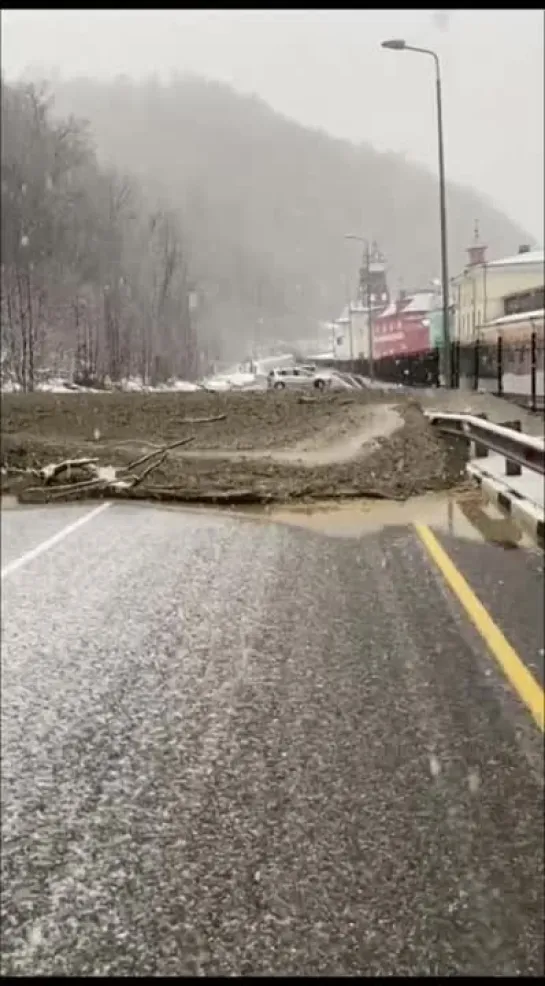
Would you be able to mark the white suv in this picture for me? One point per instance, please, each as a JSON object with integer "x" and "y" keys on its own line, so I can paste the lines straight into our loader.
{"x": 297, "y": 378}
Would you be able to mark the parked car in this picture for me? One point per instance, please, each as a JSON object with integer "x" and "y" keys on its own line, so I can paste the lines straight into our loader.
{"x": 297, "y": 378}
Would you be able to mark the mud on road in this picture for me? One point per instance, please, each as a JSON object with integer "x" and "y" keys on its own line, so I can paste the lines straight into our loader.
{"x": 261, "y": 447}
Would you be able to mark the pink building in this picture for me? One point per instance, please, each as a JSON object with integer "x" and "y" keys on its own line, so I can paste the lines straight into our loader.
{"x": 403, "y": 327}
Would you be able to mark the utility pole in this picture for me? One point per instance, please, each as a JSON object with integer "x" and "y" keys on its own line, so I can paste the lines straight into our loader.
{"x": 367, "y": 262}
{"x": 350, "y": 326}
{"x": 398, "y": 44}
{"x": 351, "y": 334}
{"x": 448, "y": 370}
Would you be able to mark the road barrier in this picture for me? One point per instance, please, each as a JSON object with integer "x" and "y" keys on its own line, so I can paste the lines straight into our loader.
{"x": 520, "y": 451}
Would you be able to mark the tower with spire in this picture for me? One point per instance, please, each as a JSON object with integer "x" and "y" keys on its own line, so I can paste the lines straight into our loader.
{"x": 477, "y": 250}
{"x": 373, "y": 286}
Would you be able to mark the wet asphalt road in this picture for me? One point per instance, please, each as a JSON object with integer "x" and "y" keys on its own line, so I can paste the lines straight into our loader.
{"x": 232, "y": 747}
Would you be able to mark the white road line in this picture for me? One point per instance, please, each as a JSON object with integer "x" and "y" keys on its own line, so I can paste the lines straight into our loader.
{"x": 12, "y": 566}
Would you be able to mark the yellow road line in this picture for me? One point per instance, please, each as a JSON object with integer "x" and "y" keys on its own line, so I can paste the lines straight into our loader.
{"x": 514, "y": 668}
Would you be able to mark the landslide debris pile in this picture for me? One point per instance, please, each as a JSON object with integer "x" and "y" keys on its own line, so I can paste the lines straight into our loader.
{"x": 134, "y": 446}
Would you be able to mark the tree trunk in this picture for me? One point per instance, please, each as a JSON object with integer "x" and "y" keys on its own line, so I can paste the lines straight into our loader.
{"x": 30, "y": 324}
{"x": 23, "y": 368}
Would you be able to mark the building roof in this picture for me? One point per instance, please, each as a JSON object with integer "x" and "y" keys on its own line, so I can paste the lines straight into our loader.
{"x": 517, "y": 261}
{"x": 520, "y": 259}
{"x": 417, "y": 304}
{"x": 389, "y": 311}
{"x": 422, "y": 301}
{"x": 356, "y": 308}
{"x": 536, "y": 315}
{"x": 343, "y": 317}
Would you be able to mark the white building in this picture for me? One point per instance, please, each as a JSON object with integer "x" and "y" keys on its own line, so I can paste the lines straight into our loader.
{"x": 352, "y": 336}
{"x": 487, "y": 291}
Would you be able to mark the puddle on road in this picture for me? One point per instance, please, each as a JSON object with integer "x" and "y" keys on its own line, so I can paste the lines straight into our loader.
{"x": 465, "y": 514}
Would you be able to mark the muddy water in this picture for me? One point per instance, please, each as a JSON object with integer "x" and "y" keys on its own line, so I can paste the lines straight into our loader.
{"x": 465, "y": 515}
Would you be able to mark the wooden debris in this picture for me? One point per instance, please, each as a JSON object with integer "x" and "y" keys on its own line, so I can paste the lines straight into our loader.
{"x": 103, "y": 480}
{"x": 50, "y": 472}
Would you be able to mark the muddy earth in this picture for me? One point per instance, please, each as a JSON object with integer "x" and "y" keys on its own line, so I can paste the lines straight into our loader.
{"x": 259, "y": 447}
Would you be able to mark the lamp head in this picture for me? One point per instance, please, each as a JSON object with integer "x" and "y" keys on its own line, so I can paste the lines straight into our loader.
{"x": 394, "y": 44}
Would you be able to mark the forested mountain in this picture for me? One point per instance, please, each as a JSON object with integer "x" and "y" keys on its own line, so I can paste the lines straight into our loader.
{"x": 266, "y": 202}
{"x": 123, "y": 201}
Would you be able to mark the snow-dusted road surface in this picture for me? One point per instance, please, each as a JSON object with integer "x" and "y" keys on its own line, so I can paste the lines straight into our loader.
{"x": 235, "y": 747}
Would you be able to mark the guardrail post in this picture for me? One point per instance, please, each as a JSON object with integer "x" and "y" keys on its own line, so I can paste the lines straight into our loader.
{"x": 436, "y": 367}
{"x": 480, "y": 451}
{"x": 533, "y": 371}
{"x": 476, "y": 358}
{"x": 499, "y": 365}
{"x": 512, "y": 468}
{"x": 449, "y": 381}
{"x": 457, "y": 381}
{"x": 454, "y": 365}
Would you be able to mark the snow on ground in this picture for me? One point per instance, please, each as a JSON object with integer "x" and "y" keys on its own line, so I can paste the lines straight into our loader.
{"x": 374, "y": 384}
{"x": 237, "y": 380}
{"x": 180, "y": 386}
{"x": 57, "y": 385}
{"x": 135, "y": 385}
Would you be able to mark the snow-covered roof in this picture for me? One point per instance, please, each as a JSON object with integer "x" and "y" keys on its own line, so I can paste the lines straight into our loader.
{"x": 539, "y": 313}
{"x": 519, "y": 259}
{"x": 422, "y": 301}
{"x": 343, "y": 317}
{"x": 390, "y": 310}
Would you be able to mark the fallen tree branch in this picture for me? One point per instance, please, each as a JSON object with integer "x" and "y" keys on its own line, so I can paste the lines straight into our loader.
{"x": 159, "y": 451}
{"x": 60, "y": 491}
{"x": 15, "y": 471}
{"x": 49, "y": 473}
{"x": 103, "y": 480}
{"x": 210, "y": 496}
{"x": 202, "y": 421}
{"x": 153, "y": 465}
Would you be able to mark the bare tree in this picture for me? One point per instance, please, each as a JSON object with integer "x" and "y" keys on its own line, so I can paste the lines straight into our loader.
{"x": 93, "y": 279}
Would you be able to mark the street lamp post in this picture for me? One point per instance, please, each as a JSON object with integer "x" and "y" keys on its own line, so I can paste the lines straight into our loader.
{"x": 366, "y": 257}
{"x": 351, "y": 333}
{"x": 397, "y": 44}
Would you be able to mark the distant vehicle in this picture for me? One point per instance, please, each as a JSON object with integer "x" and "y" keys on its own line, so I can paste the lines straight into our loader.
{"x": 297, "y": 378}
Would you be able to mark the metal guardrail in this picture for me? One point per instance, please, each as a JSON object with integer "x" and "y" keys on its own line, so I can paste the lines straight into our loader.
{"x": 522, "y": 451}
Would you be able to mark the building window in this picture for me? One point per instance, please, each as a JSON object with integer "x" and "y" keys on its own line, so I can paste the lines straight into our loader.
{"x": 524, "y": 301}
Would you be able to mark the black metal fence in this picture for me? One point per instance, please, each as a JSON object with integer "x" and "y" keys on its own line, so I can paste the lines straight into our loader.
{"x": 511, "y": 370}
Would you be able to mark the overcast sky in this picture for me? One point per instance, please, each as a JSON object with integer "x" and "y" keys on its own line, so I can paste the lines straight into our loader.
{"x": 326, "y": 68}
